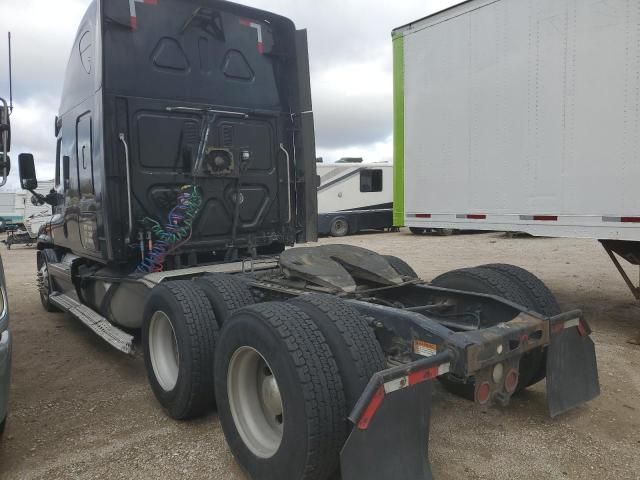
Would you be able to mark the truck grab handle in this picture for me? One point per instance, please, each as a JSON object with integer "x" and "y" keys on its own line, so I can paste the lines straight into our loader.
{"x": 126, "y": 157}
{"x": 288, "y": 180}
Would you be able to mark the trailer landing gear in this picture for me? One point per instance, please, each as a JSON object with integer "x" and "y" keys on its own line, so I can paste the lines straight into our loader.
{"x": 630, "y": 251}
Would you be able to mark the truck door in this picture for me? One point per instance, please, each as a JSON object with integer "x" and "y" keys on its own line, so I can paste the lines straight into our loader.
{"x": 87, "y": 221}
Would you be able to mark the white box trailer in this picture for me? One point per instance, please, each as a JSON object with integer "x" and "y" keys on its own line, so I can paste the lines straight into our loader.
{"x": 354, "y": 197}
{"x": 521, "y": 115}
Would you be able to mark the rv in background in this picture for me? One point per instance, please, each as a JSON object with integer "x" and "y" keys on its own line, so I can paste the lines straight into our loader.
{"x": 354, "y": 196}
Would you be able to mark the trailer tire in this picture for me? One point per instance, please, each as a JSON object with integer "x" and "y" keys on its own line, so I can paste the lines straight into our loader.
{"x": 418, "y": 231}
{"x": 400, "y": 266}
{"x": 44, "y": 281}
{"x": 226, "y": 294}
{"x": 340, "y": 227}
{"x": 540, "y": 297}
{"x": 179, "y": 335}
{"x": 490, "y": 282}
{"x": 279, "y": 344}
{"x": 350, "y": 338}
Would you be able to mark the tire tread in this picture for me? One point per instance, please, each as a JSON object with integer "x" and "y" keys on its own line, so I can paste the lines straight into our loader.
{"x": 197, "y": 314}
{"x": 359, "y": 340}
{"x": 320, "y": 380}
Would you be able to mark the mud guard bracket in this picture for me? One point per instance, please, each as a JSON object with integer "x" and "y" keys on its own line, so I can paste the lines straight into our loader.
{"x": 390, "y": 436}
{"x": 572, "y": 370}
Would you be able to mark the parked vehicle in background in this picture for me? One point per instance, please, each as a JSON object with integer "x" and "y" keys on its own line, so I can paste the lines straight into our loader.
{"x": 5, "y": 333}
{"x": 353, "y": 197}
{"x": 502, "y": 137}
{"x": 26, "y": 233}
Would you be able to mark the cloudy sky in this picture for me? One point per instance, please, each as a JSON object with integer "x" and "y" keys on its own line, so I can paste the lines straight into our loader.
{"x": 351, "y": 68}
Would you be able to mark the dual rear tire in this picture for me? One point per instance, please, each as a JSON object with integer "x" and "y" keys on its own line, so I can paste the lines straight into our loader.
{"x": 283, "y": 375}
{"x": 514, "y": 284}
{"x": 181, "y": 326}
{"x": 314, "y": 355}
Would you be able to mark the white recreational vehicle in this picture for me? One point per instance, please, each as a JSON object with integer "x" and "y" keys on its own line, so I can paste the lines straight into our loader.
{"x": 521, "y": 116}
{"x": 354, "y": 197}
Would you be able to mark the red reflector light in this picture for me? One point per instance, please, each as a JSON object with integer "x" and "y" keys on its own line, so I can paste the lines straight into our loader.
{"x": 371, "y": 409}
{"x": 423, "y": 215}
{"x": 582, "y": 330}
{"x": 423, "y": 375}
{"x": 477, "y": 217}
{"x": 511, "y": 381}
{"x": 546, "y": 218}
{"x": 630, "y": 219}
{"x": 483, "y": 392}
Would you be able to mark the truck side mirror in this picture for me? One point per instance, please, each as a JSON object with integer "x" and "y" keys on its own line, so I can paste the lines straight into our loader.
{"x": 27, "y": 166}
{"x": 5, "y": 165}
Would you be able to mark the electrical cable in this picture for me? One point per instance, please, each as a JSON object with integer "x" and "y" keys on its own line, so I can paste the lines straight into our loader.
{"x": 175, "y": 233}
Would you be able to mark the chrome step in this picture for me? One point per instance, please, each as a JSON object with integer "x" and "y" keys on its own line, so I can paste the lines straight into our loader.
{"x": 115, "y": 337}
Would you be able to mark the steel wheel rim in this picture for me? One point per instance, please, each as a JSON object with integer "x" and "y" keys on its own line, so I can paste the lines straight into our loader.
{"x": 163, "y": 350}
{"x": 255, "y": 402}
{"x": 340, "y": 227}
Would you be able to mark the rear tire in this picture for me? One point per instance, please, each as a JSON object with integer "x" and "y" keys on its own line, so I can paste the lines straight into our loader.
{"x": 339, "y": 227}
{"x": 178, "y": 336}
{"x": 490, "y": 282}
{"x": 226, "y": 294}
{"x": 350, "y": 338}
{"x": 400, "y": 266}
{"x": 281, "y": 344}
{"x": 540, "y": 297}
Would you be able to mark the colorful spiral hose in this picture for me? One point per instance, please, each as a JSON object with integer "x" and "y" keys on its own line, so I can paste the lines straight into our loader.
{"x": 175, "y": 233}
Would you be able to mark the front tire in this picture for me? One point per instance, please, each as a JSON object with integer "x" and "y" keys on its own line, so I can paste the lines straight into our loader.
{"x": 44, "y": 284}
{"x": 273, "y": 357}
{"x": 178, "y": 336}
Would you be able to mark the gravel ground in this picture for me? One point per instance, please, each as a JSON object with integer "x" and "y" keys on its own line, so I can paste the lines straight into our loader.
{"x": 80, "y": 410}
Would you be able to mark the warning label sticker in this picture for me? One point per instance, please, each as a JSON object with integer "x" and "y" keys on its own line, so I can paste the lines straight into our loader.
{"x": 424, "y": 349}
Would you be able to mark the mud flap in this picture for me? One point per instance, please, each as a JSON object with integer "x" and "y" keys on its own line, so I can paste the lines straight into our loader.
{"x": 572, "y": 371}
{"x": 395, "y": 444}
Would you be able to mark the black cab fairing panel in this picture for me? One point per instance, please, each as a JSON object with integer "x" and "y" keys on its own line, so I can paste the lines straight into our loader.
{"x": 79, "y": 170}
{"x": 177, "y": 67}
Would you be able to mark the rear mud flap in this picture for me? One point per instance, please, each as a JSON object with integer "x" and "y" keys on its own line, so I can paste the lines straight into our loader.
{"x": 572, "y": 370}
{"x": 395, "y": 444}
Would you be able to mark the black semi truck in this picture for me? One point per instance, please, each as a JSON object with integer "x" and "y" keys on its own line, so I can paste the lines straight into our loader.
{"x": 185, "y": 167}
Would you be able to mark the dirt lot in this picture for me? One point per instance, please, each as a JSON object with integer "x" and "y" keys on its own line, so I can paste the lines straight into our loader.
{"x": 80, "y": 410}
